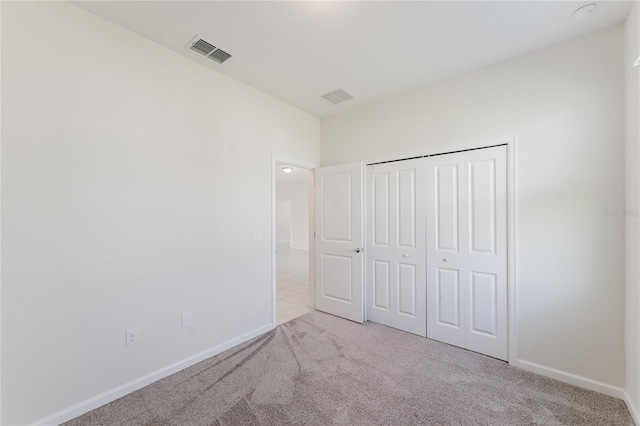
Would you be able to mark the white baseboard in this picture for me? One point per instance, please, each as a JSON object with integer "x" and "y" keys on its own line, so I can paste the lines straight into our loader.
{"x": 572, "y": 379}
{"x": 122, "y": 390}
{"x": 633, "y": 409}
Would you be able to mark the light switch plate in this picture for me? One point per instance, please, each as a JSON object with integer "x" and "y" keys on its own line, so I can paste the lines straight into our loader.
{"x": 186, "y": 320}
{"x": 256, "y": 235}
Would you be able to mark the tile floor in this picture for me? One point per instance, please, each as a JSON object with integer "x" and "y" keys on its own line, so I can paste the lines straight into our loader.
{"x": 292, "y": 278}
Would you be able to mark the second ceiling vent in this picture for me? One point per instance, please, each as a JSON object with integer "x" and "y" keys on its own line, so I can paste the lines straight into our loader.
{"x": 207, "y": 49}
{"x": 338, "y": 96}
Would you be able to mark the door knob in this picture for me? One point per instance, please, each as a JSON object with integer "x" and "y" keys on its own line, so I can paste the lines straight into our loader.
{"x": 446, "y": 259}
{"x": 405, "y": 255}
{"x": 358, "y": 250}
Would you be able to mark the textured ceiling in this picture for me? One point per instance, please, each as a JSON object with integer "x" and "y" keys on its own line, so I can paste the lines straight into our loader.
{"x": 297, "y": 51}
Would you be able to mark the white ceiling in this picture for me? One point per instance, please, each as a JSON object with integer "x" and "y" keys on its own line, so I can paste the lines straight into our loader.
{"x": 297, "y": 51}
{"x": 297, "y": 175}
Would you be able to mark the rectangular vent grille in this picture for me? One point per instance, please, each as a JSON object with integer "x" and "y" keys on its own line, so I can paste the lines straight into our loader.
{"x": 338, "y": 96}
{"x": 219, "y": 55}
{"x": 203, "y": 47}
{"x": 207, "y": 49}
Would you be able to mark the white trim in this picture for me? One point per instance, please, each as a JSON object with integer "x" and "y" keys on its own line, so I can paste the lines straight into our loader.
{"x": 274, "y": 244}
{"x": 512, "y": 222}
{"x": 572, "y": 379}
{"x": 363, "y": 238}
{"x": 365, "y": 235}
{"x": 0, "y": 236}
{"x": 311, "y": 188}
{"x": 635, "y": 413}
{"x": 132, "y": 386}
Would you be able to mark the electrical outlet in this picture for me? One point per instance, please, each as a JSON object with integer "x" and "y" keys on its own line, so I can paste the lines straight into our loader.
{"x": 133, "y": 336}
{"x": 186, "y": 320}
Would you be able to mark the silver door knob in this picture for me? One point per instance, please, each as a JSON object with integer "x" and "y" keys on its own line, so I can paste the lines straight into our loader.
{"x": 405, "y": 255}
{"x": 446, "y": 259}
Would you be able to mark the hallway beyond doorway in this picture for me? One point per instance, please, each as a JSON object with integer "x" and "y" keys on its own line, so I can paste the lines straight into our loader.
{"x": 292, "y": 277}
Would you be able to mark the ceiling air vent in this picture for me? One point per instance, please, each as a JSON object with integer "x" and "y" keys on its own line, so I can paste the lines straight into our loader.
{"x": 219, "y": 55}
{"x": 207, "y": 49}
{"x": 337, "y": 96}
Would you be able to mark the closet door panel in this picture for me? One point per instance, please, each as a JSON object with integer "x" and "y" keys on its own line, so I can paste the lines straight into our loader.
{"x": 395, "y": 251}
{"x": 467, "y": 250}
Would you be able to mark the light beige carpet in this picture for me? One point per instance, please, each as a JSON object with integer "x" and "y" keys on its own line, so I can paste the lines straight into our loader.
{"x": 322, "y": 370}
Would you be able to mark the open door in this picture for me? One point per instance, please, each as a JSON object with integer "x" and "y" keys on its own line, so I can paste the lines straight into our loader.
{"x": 339, "y": 241}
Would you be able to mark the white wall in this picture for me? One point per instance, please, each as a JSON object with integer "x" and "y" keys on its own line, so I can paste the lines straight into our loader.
{"x": 116, "y": 207}
{"x": 632, "y": 232}
{"x": 298, "y": 194}
{"x": 565, "y": 105}
{"x": 283, "y": 222}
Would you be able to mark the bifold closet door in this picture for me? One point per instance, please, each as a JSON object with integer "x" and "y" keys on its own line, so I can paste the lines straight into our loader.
{"x": 467, "y": 250}
{"x": 395, "y": 251}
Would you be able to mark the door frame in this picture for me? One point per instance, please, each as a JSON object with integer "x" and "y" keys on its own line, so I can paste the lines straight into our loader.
{"x": 289, "y": 161}
{"x": 512, "y": 300}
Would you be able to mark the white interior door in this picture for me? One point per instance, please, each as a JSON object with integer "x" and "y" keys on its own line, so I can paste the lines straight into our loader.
{"x": 395, "y": 252}
{"x": 339, "y": 257}
{"x": 467, "y": 250}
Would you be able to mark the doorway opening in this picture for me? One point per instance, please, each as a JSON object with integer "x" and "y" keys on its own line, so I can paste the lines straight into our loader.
{"x": 292, "y": 236}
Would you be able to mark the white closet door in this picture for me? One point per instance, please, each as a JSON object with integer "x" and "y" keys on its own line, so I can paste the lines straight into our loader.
{"x": 396, "y": 273}
{"x": 467, "y": 250}
{"x": 338, "y": 245}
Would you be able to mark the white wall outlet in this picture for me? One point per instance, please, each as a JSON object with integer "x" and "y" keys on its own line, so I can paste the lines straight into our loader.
{"x": 133, "y": 336}
{"x": 186, "y": 320}
{"x": 256, "y": 235}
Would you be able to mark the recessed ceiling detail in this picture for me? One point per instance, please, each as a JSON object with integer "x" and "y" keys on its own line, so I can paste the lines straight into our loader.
{"x": 207, "y": 49}
{"x": 338, "y": 96}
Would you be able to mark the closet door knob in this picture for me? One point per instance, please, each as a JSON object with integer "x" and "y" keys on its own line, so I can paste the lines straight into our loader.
{"x": 446, "y": 259}
{"x": 405, "y": 255}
